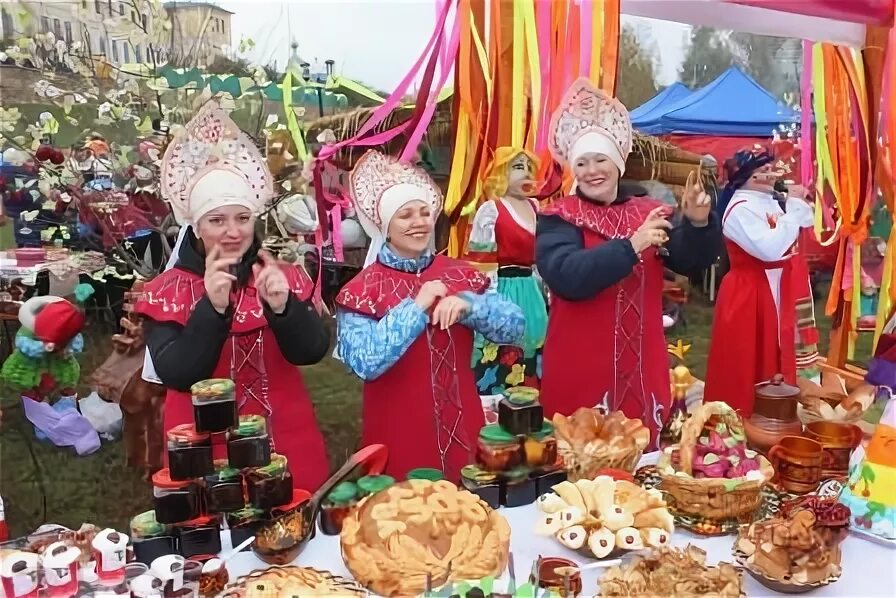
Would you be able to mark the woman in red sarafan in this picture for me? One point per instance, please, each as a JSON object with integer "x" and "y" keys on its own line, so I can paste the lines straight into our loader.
{"x": 227, "y": 309}
{"x": 406, "y": 324}
{"x": 602, "y": 252}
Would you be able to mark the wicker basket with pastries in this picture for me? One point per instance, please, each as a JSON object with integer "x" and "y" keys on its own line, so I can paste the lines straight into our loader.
{"x": 589, "y": 441}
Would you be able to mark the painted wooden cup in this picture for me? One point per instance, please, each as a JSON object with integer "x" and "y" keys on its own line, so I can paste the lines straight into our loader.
{"x": 797, "y": 462}
{"x": 838, "y": 440}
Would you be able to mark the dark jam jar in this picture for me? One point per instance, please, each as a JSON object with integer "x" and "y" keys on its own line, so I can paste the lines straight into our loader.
{"x": 371, "y": 484}
{"x": 482, "y": 483}
{"x": 270, "y": 486}
{"x": 224, "y": 489}
{"x": 336, "y": 507}
{"x": 200, "y": 537}
{"x": 150, "y": 539}
{"x": 243, "y": 524}
{"x": 518, "y": 488}
{"x": 497, "y": 449}
{"x": 175, "y": 501}
{"x": 520, "y": 413}
{"x": 214, "y": 405}
{"x": 189, "y": 453}
{"x": 248, "y": 445}
{"x": 426, "y": 473}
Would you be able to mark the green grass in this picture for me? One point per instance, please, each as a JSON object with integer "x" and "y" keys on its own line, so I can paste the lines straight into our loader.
{"x": 103, "y": 489}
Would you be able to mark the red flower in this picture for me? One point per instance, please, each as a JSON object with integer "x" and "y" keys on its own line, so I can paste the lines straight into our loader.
{"x": 510, "y": 355}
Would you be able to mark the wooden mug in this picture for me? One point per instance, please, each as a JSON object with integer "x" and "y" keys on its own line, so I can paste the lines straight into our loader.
{"x": 838, "y": 440}
{"x": 797, "y": 462}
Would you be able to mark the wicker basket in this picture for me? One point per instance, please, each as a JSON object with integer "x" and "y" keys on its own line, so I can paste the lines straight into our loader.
{"x": 709, "y": 499}
{"x": 584, "y": 457}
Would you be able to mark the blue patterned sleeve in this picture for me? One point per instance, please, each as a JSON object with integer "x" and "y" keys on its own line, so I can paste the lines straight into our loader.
{"x": 495, "y": 318}
{"x": 370, "y": 347}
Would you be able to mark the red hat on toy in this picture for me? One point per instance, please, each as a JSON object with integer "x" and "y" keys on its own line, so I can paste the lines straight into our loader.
{"x": 58, "y": 323}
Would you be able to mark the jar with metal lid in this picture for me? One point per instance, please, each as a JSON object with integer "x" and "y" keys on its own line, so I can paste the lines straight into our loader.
{"x": 200, "y": 537}
{"x": 498, "y": 450}
{"x": 371, "y": 484}
{"x": 243, "y": 524}
{"x": 150, "y": 539}
{"x": 336, "y": 507}
{"x": 270, "y": 486}
{"x": 175, "y": 501}
{"x": 540, "y": 448}
{"x": 426, "y": 473}
{"x": 214, "y": 405}
{"x": 189, "y": 453}
{"x": 224, "y": 489}
{"x": 248, "y": 444}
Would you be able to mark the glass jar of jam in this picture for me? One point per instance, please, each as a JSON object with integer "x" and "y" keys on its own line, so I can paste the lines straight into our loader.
{"x": 540, "y": 447}
{"x": 482, "y": 483}
{"x": 243, "y": 524}
{"x": 175, "y": 501}
{"x": 336, "y": 507}
{"x": 214, "y": 405}
{"x": 224, "y": 489}
{"x": 200, "y": 537}
{"x": 371, "y": 484}
{"x": 498, "y": 450}
{"x": 426, "y": 473}
{"x": 270, "y": 486}
{"x": 248, "y": 444}
{"x": 150, "y": 539}
{"x": 189, "y": 453}
{"x": 519, "y": 412}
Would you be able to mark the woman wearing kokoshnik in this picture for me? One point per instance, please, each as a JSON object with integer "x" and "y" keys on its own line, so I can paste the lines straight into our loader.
{"x": 406, "y": 323}
{"x": 225, "y": 308}
{"x": 599, "y": 252}
{"x": 503, "y": 237}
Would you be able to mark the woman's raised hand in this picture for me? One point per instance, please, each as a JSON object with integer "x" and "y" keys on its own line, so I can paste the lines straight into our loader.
{"x": 218, "y": 279}
{"x": 653, "y": 231}
{"x": 270, "y": 282}
{"x": 695, "y": 203}
{"x": 429, "y": 293}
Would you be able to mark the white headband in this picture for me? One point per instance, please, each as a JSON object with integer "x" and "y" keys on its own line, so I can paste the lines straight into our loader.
{"x": 220, "y": 187}
{"x": 597, "y": 143}
{"x": 392, "y": 200}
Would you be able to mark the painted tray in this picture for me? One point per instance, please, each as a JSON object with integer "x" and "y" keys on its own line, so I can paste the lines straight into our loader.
{"x": 292, "y": 582}
{"x": 776, "y": 585}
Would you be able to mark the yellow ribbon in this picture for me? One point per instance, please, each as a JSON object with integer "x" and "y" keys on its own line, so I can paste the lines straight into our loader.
{"x": 517, "y": 100}
{"x": 528, "y": 10}
{"x": 292, "y": 123}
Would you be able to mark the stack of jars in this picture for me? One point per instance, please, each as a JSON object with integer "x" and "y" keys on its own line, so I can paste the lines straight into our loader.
{"x": 516, "y": 459}
{"x": 196, "y": 495}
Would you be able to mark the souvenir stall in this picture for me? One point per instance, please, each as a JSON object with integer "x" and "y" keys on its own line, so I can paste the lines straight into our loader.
{"x": 798, "y": 497}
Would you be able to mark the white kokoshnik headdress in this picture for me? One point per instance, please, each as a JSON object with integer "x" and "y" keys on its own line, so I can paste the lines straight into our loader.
{"x": 379, "y": 186}
{"x": 208, "y": 164}
{"x": 588, "y": 120}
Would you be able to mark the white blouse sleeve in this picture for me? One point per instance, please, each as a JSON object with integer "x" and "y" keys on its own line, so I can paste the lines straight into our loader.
{"x": 482, "y": 236}
{"x": 754, "y": 231}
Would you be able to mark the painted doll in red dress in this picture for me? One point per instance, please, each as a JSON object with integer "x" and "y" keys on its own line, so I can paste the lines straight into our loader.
{"x": 599, "y": 252}
{"x": 406, "y": 324}
{"x": 227, "y": 309}
{"x": 502, "y": 240}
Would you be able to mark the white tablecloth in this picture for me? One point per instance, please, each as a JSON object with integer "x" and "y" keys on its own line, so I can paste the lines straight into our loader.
{"x": 869, "y": 569}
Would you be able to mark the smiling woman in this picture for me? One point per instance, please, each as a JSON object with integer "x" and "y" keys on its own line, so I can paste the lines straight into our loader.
{"x": 406, "y": 322}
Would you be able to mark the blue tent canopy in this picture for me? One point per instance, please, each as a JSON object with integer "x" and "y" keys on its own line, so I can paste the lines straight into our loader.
{"x": 732, "y": 105}
{"x": 656, "y": 106}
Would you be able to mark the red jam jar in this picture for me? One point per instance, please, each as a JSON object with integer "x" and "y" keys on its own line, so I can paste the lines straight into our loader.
{"x": 175, "y": 501}
{"x": 336, "y": 507}
{"x": 270, "y": 486}
{"x": 214, "y": 405}
{"x": 540, "y": 448}
{"x": 189, "y": 453}
{"x": 498, "y": 450}
{"x": 248, "y": 444}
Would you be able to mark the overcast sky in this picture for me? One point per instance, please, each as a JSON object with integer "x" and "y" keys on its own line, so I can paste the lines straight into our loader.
{"x": 377, "y": 41}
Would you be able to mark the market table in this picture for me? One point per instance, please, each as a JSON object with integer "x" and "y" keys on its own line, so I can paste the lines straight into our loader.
{"x": 869, "y": 569}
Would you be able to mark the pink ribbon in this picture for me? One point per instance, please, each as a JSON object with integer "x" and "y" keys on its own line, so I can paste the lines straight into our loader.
{"x": 543, "y": 28}
{"x": 587, "y": 33}
{"x": 807, "y": 153}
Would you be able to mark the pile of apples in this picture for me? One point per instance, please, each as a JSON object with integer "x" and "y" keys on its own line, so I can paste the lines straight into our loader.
{"x": 722, "y": 453}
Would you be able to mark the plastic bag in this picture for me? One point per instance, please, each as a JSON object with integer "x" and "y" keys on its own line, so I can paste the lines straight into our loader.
{"x": 105, "y": 417}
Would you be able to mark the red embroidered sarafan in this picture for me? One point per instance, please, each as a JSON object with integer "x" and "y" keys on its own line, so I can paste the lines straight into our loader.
{"x": 426, "y": 407}
{"x": 609, "y": 351}
{"x": 378, "y": 288}
{"x": 266, "y": 383}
